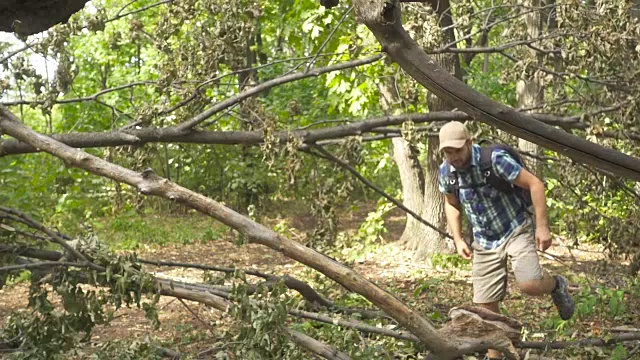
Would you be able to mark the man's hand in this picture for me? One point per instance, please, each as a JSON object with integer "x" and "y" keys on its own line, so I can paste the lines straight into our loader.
{"x": 543, "y": 238}
{"x": 464, "y": 250}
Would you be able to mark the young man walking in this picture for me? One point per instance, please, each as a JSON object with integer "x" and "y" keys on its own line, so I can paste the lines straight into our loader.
{"x": 473, "y": 180}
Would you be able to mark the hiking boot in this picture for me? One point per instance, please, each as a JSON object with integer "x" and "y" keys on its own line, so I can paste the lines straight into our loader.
{"x": 562, "y": 299}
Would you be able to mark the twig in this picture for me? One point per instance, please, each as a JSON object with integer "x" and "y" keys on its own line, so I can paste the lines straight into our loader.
{"x": 633, "y": 352}
{"x": 355, "y": 173}
{"x": 15, "y": 52}
{"x": 53, "y": 236}
{"x": 80, "y": 99}
{"x": 189, "y": 124}
{"x": 139, "y": 10}
{"x": 326, "y": 41}
{"x": 196, "y": 316}
{"x": 43, "y": 264}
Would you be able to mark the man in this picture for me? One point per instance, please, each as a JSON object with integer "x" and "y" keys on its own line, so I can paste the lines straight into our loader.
{"x": 501, "y": 224}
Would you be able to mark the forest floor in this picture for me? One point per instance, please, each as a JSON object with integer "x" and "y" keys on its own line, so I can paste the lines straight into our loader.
{"x": 608, "y": 301}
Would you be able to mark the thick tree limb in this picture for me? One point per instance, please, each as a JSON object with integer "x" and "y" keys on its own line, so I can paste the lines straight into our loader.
{"x": 150, "y": 184}
{"x": 316, "y": 346}
{"x": 383, "y": 18}
{"x": 29, "y": 17}
{"x": 25, "y": 251}
{"x": 191, "y": 123}
{"x": 173, "y": 135}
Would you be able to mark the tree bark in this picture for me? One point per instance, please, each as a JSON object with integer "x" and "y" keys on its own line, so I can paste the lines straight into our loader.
{"x": 426, "y": 241}
{"x": 530, "y": 93}
{"x": 33, "y": 16}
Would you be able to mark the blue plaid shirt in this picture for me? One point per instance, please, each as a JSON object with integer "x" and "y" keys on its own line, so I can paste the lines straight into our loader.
{"x": 493, "y": 214}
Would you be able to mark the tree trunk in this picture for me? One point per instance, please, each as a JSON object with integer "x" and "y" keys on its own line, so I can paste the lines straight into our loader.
{"x": 529, "y": 91}
{"x": 420, "y": 239}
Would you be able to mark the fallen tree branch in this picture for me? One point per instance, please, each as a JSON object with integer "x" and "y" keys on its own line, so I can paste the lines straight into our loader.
{"x": 300, "y": 286}
{"x": 223, "y": 305}
{"x": 173, "y": 135}
{"x": 545, "y": 345}
{"x": 43, "y": 264}
{"x": 138, "y": 137}
{"x": 316, "y": 346}
{"x": 205, "y": 294}
{"x": 52, "y": 235}
{"x": 150, "y": 184}
{"x": 30, "y": 252}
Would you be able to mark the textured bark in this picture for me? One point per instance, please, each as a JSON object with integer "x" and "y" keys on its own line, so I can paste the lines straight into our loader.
{"x": 383, "y": 18}
{"x": 412, "y": 180}
{"x": 530, "y": 93}
{"x": 316, "y": 346}
{"x": 27, "y": 17}
{"x": 422, "y": 240}
{"x": 174, "y": 135}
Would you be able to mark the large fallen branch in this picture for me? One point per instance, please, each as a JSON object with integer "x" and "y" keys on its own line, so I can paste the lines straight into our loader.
{"x": 466, "y": 319}
{"x": 150, "y": 184}
{"x": 383, "y": 18}
{"x": 138, "y": 137}
{"x": 174, "y": 135}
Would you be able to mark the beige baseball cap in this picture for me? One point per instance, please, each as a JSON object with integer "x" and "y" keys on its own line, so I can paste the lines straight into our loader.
{"x": 453, "y": 134}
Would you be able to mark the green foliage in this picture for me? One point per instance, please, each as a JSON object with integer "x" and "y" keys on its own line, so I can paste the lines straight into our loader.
{"x": 265, "y": 314}
{"x": 449, "y": 261}
{"x": 48, "y": 331}
{"x": 126, "y": 350}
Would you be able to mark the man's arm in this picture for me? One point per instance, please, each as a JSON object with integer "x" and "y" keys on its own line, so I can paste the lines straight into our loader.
{"x": 530, "y": 182}
{"x": 454, "y": 219}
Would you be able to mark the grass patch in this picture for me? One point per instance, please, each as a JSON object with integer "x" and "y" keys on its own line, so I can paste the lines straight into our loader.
{"x": 130, "y": 230}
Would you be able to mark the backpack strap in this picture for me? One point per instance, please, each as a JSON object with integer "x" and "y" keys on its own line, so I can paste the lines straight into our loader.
{"x": 497, "y": 181}
{"x": 452, "y": 180}
{"x": 489, "y": 173}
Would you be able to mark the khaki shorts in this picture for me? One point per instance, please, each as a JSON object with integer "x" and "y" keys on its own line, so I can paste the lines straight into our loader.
{"x": 490, "y": 266}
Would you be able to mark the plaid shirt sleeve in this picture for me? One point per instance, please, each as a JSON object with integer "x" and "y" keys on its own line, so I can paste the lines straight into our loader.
{"x": 505, "y": 165}
{"x": 443, "y": 183}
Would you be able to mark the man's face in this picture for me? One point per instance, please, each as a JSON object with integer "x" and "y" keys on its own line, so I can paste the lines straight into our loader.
{"x": 460, "y": 158}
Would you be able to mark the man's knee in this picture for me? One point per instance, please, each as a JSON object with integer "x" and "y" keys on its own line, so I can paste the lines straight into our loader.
{"x": 537, "y": 287}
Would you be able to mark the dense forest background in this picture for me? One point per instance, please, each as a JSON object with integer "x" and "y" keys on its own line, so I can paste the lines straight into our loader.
{"x": 291, "y": 114}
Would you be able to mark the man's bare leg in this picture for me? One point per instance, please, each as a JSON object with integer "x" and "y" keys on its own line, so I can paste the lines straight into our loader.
{"x": 495, "y": 307}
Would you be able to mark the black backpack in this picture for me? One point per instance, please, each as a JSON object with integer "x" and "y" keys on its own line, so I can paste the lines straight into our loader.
{"x": 491, "y": 177}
